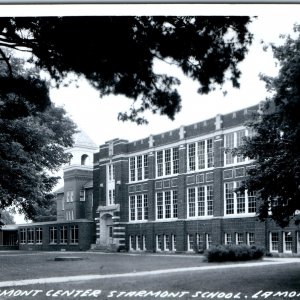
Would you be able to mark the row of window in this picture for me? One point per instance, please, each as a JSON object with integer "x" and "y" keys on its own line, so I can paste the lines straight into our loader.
{"x": 286, "y": 241}
{"x": 195, "y": 242}
{"x": 35, "y": 235}
{"x": 200, "y": 203}
{"x": 200, "y": 156}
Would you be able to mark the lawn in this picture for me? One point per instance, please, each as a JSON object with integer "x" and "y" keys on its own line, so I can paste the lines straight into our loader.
{"x": 225, "y": 281}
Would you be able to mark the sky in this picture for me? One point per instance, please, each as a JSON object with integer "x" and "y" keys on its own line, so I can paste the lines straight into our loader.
{"x": 98, "y": 116}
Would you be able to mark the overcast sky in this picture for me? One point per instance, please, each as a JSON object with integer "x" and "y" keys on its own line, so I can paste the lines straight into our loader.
{"x": 98, "y": 117}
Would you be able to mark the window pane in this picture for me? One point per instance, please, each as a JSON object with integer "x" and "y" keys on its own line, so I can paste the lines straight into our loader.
{"x": 191, "y": 202}
{"x": 229, "y": 198}
{"x": 192, "y": 157}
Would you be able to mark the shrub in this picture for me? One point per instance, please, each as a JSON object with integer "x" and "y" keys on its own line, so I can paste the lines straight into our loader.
{"x": 221, "y": 253}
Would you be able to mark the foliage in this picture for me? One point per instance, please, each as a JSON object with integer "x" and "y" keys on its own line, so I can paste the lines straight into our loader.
{"x": 6, "y": 218}
{"x": 116, "y": 54}
{"x": 275, "y": 147}
{"x": 221, "y": 253}
{"x": 33, "y": 136}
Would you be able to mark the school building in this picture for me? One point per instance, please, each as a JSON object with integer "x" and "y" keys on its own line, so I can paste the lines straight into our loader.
{"x": 170, "y": 192}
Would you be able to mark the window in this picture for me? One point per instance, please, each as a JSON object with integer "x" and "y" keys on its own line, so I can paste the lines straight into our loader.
{"x": 84, "y": 158}
{"x": 138, "y": 207}
{"x": 144, "y": 243}
{"x": 167, "y": 162}
{"x": 166, "y": 205}
{"x": 200, "y": 155}
{"x": 240, "y": 199}
{"x": 30, "y": 235}
{"x": 251, "y": 202}
{"x": 39, "y": 235}
{"x": 250, "y": 238}
{"x": 190, "y": 242}
{"x": 204, "y": 204}
{"x": 63, "y": 203}
{"x": 239, "y": 238}
{"x": 138, "y": 242}
{"x": 70, "y": 196}
{"x": 238, "y": 202}
{"x": 63, "y": 234}
{"x": 274, "y": 241}
{"x": 233, "y": 140}
{"x": 82, "y": 195}
{"x": 158, "y": 243}
{"x": 138, "y": 168}
{"x": 131, "y": 242}
{"x": 239, "y": 141}
{"x": 111, "y": 172}
{"x": 173, "y": 242}
{"x": 228, "y": 239}
{"x": 287, "y": 241}
{"x": 74, "y": 234}
{"x": 53, "y": 235}
{"x": 166, "y": 242}
{"x": 208, "y": 241}
{"x": 23, "y": 236}
{"x": 111, "y": 197}
{"x": 199, "y": 242}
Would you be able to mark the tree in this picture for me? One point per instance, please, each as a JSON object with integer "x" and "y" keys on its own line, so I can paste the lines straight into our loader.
{"x": 275, "y": 147}
{"x": 116, "y": 54}
{"x": 6, "y": 218}
{"x": 33, "y": 136}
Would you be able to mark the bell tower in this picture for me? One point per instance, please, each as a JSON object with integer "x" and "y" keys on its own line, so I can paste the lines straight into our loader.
{"x": 78, "y": 178}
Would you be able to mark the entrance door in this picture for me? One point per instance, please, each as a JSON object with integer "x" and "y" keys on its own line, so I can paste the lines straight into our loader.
{"x": 110, "y": 234}
{"x": 106, "y": 230}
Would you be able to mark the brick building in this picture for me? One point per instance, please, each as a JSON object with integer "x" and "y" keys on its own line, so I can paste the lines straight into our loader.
{"x": 175, "y": 191}
{"x": 168, "y": 192}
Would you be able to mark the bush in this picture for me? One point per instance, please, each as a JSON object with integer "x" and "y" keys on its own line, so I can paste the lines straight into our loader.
{"x": 221, "y": 253}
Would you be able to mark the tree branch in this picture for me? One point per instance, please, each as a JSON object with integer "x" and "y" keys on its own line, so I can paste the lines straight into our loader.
{"x": 7, "y": 63}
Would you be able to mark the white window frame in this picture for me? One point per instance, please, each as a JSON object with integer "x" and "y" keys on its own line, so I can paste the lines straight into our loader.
{"x": 172, "y": 162}
{"x": 158, "y": 246}
{"x": 133, "y": 210}
{"x": 239, "y": 238}
{"x": 235, "y": 159}
{"x": 38, "y": 235}
{"x": 190, "y": 239}
{"x": 63, "y": 232}
{"x": 30, "y": 235}
{"x": 251, "y": 241}
{"x": 135, "y": 171}
{"x": 197, "y": 155}
{"x": 74, "y": 234}
{"x": 289, "y": 233}
{"x": 173, "y": 205}
{"x": 235, "y": 200}
{"x": 53, "y": 235}
{"x": 173, "y": 238}
{"x": 206, "y": 200}
{"x": 228, "y": 239}
{"x": 23, "y": 236}
{"x": 208, "y": 241}
{"x": 271, "y": 242}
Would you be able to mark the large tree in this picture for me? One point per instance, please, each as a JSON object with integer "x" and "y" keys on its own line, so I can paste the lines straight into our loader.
{"x": 116, "y": 54}
{"x": 275, "y": 146}
{"x": 33, "y": 136}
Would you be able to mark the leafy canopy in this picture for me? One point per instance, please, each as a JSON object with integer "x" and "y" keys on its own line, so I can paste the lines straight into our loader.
{"x": 116, "y": 54}
{"x": 276, "y": 144}
{"x": 33, "y": 137}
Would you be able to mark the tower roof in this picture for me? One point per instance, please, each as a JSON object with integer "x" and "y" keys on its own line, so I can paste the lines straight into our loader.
{"x": 81, "y": 139}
